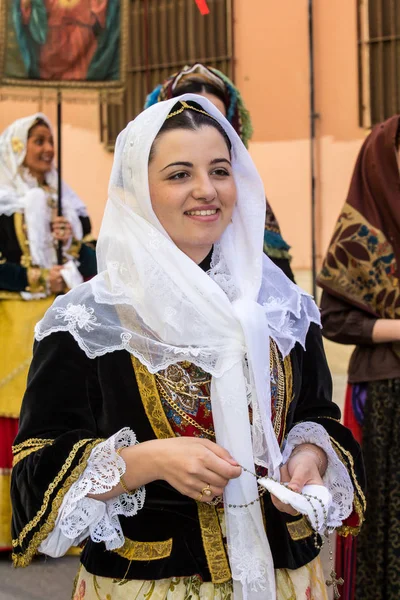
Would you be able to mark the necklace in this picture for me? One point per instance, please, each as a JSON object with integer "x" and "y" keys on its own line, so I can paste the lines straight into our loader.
{"x": 182, "y": 413}
{"x": 180, "y": 387}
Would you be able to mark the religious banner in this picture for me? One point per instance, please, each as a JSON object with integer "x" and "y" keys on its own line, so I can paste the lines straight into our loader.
{"x": 63, "y": 43}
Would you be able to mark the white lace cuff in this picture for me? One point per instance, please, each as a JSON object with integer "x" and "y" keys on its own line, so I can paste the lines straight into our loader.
{"x": 336, "y": 478}
{"x": 80, "y": 516}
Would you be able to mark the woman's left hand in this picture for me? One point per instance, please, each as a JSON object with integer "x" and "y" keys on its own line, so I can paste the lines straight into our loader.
{"x": 301, "y": 469}
{"x": 62, "y": 230}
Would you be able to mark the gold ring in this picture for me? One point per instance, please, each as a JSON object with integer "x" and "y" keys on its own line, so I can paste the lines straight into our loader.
{"x": 206, "y": 491}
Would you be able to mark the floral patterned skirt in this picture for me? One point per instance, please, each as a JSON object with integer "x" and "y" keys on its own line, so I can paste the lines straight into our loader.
{"x": 306, "y": 583}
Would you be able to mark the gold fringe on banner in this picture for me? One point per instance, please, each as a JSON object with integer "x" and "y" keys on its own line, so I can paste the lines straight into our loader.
{"x": 25, "y": 94}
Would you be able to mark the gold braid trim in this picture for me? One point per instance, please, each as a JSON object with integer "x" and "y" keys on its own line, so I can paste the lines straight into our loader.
{"x": 151, "y": 400}
{"x": 132, "y": 550}
{"x": 360, "y": 509}
{"x": 213, "y": 543}
{"x": 275, "y": 361}
{"x": 26, "y": 259}
{"x": 31, "y": 443}
{"x": 346, "y": 530}
{"x": 24, "y": 449}
{"x": 288, "y": 369}
{"x": 25, "y": 558}
{"x": 26, "y": 453}
{"x": 350, "y": 460}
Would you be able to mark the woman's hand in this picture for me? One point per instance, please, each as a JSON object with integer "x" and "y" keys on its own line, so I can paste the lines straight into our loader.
{"x": 62, "y": 230}
{"x": 189, "y": 464}
{"x": 304, "y": 467}
{"x": 56, "y": 282}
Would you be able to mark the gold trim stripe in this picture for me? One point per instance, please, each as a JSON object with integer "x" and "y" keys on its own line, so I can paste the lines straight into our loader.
{"x": 26, "y": 259}
{"x": 209, "y": 523}
{"x": 75, "y": 449}
{"x": 132, "y": 550}
{"x": 213, "y": 543}
{"x": 288, "y": 370}
{"x": 299, "y": 530}
{"x": 31, "y": 443}
{"x": 26, "y": 453}
{"x": 346, "y": 530}
{"x": 151, "y": 401}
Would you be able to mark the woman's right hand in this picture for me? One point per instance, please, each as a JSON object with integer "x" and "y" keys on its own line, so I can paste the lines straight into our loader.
{"x": 56, "y": 282}
{"x": 189, "y": 464}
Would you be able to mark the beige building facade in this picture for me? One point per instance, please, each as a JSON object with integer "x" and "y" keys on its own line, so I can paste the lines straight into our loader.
{"x": 272, "y": 71}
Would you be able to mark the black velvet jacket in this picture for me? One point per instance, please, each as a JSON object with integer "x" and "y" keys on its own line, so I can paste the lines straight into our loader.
{"x": 72, "y": 402}
{"x": 14, "y": 259}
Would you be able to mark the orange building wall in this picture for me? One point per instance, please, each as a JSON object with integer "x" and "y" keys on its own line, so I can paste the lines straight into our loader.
{"x": 272, "y": 72}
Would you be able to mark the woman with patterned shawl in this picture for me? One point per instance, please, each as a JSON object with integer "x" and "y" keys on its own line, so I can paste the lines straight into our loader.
{"x": 220, "y": 90}
{"x": 29, "y": 274}
{"x": 163, "y": 388}
{"x": 361, "y": 305}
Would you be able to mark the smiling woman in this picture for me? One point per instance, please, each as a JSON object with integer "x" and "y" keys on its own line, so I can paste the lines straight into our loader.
{"x": 194, "y": 338}
{"x": 29, "y": 274}
{"x": 192, "y": 188}
{"x": 39, "y": 151}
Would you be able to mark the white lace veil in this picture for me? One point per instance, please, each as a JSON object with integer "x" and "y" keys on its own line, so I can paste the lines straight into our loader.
{"x": 154, "y": 301}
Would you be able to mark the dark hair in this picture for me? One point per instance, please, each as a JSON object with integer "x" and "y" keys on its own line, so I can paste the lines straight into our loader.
{"x": 36, "y": 124}
{"x": 192, "y": 120}
{"x": 194, "y": 86}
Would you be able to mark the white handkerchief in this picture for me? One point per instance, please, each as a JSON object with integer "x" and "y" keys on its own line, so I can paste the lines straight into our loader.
{"x": 305, "y": 503}
{"x": 71, "y": 275}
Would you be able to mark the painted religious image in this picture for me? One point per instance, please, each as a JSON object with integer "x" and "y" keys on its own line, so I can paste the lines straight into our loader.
{"x": 67, "y": 41}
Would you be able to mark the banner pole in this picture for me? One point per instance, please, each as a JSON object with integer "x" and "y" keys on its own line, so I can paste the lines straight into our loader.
{"x": 59, "y": 171}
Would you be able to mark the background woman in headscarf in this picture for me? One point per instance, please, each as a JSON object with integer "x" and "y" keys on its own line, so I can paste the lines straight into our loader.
{"x": 157, "y": 362}
{"x": 220, "y": 90}
{"x": 361, "y": 306}
{"x": 29, "y": 275}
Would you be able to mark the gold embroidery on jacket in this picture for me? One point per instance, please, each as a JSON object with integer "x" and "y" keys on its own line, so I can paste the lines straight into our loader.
{"x": 132, "y": 550}
{"x": 360, "y": 503}
{"x": 299, "y": 530}
{"x": 284, "y": 388}
{"x": 151, "y": 400}
{"x": 209, "y": 523}
{"x": 21, "y": 451}
{"x": 26, "y": 259}
{"x": 350, "y": 460}
{"x": 24, "y": 558}
{"x": 213, "y": 543}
